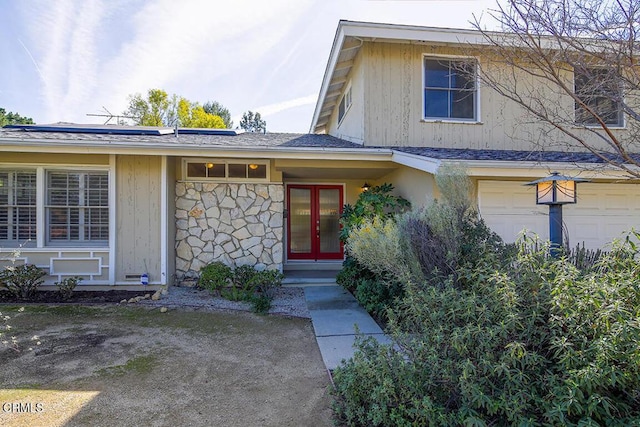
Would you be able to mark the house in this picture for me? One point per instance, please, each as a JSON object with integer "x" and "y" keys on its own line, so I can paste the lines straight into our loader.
{"x": 116, "y": 205}
{"x": 400, "y": 87}
{"x": 113, "y": 203}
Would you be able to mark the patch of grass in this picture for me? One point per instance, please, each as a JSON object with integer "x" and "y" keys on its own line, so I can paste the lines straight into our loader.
{"x": 137, "y": 365}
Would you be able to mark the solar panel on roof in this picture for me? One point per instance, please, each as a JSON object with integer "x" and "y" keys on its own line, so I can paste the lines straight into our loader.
{"x": 121, "y": 130}
{"x": 94, "y": 129}
{"x": 204, "y": 131}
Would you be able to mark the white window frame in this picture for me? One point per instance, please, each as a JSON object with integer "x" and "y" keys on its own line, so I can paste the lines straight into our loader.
{"x": 621, "y": 116}
{"x": 82, "y": 207}
{"x": 477, "y": 103}
{"x": 16, "y": 241}
{"x": 41, "y": 241}
{"x": 226, "y": 162}
{"x": 345, "y": 103}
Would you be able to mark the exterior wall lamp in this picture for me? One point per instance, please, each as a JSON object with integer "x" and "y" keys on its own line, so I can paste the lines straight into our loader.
{"x": 556, "y": 190}
{"x": 365, "y": 187}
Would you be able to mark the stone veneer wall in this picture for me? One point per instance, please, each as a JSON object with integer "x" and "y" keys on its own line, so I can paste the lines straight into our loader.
{"x": 238, "y": 224}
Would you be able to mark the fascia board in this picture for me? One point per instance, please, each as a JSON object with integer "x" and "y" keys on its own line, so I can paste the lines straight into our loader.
{"x": 503, "y": 169}
{"x": 511, "y": 169}
{"x": 375, "y": 31}
{"x": 338, "y": 40}
{"x": 425, "y": 164}
{"x": 102, "y": 147}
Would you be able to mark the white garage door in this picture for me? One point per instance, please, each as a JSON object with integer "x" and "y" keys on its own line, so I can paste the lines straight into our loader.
{"x": 603, "y": 211}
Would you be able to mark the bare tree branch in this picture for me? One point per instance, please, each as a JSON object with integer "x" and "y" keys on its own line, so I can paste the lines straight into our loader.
{"x": 573, "y": 66}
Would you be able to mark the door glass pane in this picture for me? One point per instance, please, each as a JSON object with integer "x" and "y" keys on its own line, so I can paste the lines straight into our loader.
{"x": 300, "y": 218}
{"x": 329, "y": 205}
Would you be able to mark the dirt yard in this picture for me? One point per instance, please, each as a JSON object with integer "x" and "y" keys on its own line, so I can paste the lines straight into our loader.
{"x": 131, "y": 366}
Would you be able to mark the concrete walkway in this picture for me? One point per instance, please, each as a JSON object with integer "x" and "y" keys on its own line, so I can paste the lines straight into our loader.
{"x": 334, "y": 312}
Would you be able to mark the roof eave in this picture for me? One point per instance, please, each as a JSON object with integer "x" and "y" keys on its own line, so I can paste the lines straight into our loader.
{"x": 160, "y": 149}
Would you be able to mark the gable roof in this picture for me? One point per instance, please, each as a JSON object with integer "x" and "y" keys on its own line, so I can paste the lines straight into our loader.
{"x": 350, "y": 36}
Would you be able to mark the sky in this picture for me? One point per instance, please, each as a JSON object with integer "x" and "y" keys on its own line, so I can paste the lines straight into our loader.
{"x": 63, "y": 59}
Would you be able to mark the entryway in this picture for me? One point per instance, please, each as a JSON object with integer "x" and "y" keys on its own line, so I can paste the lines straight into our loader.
{"x": 313, "y": 222}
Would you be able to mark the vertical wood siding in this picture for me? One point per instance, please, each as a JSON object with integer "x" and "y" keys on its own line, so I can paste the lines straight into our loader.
{"x": 138, "y": 217}
{"x": 387, "y": 87}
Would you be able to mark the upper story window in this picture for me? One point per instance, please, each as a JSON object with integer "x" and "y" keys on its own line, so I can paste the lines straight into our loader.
{"x": 345, "y": 103}
{"x": 450, "y": 90}
{"x": 17, "y": 206}
{"x": 226, "y": 170}
{"x": 600, "y": 91}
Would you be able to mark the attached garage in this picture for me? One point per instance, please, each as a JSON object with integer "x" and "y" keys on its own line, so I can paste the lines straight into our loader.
{"x": 603, "y": 211}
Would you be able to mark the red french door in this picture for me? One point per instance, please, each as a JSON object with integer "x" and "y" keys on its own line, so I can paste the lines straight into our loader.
{"x": 313, "y": 222}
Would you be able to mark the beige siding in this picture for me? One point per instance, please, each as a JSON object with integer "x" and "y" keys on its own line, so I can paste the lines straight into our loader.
{"x": 392, "y": 106}
{"x": 171, "y": 222}
{"x": 92, "y": 265}
{"x": 51, "y": 158}
{"x": 604, "y": 211}
{"x": 352, "y": 126}
{"x": 414, "y": 185}
{"x": 138, "y": 217}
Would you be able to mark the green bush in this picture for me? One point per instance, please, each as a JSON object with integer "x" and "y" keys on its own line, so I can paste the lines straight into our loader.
{"x": 533, "y": 341}
{"x": 244, "y": 283}
{"x": 22, "y": 281}
{"x": 377, "y": 202}
{"x": 215, "y": 276}
{"x": 67, "y": 285}
{"x": 374, "y": 292}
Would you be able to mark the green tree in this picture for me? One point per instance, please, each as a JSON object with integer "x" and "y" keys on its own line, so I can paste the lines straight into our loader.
{"x": 252, "y": 122}
{"x": 217, "y": 109}
{"x": 154, "y": 110}
{"x": 160, "y": 109}
{"x": 193, "y": 115}
{"x": 13, "y": 118}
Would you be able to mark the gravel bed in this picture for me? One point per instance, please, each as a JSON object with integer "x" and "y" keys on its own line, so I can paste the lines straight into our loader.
{"x": 286, "y": 302}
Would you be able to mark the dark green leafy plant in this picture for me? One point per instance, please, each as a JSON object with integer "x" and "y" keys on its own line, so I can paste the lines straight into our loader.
{"x": 244, "y": 283}
{"x": 67, "y": 285}
{"x": 533, "y": 341}
{"x": 375, "y": 202}
{"x": 215, "y": 276}
{"x": 22, "y": 281}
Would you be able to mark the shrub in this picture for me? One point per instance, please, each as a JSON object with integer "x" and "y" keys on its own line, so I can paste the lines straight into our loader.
{"x": 215, "y": 276}
{"x": 534, "y": 341}
{"x": 22, "y": 281}
{"x": 375, "y": 202}
{"x": 375, "y": 293}
{"x": 244, "y": 283}
{"x": 67, "y": 285}
{"x": 265, "y": 282}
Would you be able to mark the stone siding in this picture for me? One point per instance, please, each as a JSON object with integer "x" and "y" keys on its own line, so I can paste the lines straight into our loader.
{"x": 238, "y": 224}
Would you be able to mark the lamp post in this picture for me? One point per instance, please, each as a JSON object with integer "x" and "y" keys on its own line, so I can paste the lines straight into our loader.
{"x": 555, "y": 190}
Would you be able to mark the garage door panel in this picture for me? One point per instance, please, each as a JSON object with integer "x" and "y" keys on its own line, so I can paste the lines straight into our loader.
{"x": 603, "y": 211}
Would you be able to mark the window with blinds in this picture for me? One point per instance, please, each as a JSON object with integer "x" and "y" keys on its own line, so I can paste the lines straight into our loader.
{"x": 17, "y": 206}
{"x": 77, "y": 207}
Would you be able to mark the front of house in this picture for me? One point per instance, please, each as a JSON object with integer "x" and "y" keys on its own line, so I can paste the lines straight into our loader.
{"x": 112, "y": 204}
